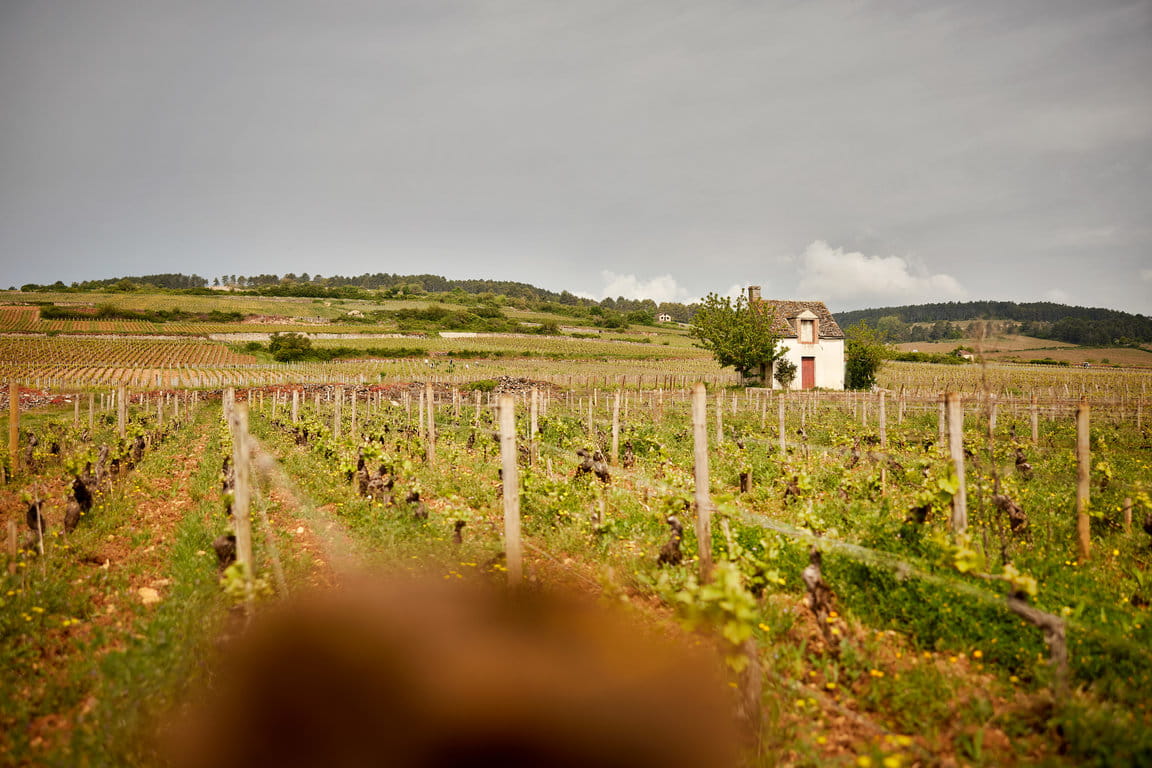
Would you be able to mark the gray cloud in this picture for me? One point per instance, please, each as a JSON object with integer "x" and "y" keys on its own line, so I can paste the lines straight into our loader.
{"x": 551, "y": 142}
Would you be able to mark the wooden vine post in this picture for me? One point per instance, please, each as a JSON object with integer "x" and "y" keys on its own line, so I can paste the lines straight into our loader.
{"x": 122, "y": 410}
{"x": 615, "y": 428}
{"x": 883, "y": 421}
{"x": 955, "y": 414}
{"x": 719, "y": 417}
{"x": 13, "y": 425}
{"x": 430, "y": 399}
{"x": 295, "y": 406}
{"x": 1083, "y": 474}
{"x": 703, "y": 499}
{"x": 942, "y": 424}
{"x": 241, "y": 495}
{"x": 352, "y": 398}
{"x": 533, "y": 424}
{"x": 1034, "y": 417}
{"x": 337, "y": 411}
{"x": 780, "y": 426}
{"x": 511, "y": 486}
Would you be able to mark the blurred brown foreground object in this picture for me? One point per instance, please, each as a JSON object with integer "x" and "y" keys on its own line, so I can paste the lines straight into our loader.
{"x": 430, "y": 673}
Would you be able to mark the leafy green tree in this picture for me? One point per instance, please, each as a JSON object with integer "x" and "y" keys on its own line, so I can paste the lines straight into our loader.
{"x": 738, "y": 335}
{"x": 893, "y": 328}
{"x": 288, "y": 347}
{"x": 641, "y": 317}
{"x": 865, "y": 352}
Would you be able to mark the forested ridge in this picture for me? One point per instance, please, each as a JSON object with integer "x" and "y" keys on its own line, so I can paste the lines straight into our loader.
{"x": 1094, "y": 326}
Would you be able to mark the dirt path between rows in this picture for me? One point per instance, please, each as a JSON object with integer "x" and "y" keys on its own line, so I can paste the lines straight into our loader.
{"x": 323, "y": 536}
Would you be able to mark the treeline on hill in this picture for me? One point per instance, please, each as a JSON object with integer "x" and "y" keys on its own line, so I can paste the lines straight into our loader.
{"x": 167, "y": 281}
{"x": 1090, "y": 326}
{"x": 485, "y": 318}
{"x": 390, "y": 286}
{"x": 49, "y": 311}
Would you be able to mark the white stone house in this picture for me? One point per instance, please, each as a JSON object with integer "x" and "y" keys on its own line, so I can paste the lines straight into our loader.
{"x": 811, "y": 339}
{"x": 664, "y": 317}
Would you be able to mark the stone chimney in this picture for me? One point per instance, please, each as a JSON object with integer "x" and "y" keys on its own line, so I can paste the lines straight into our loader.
{"x": 753, "y": 294}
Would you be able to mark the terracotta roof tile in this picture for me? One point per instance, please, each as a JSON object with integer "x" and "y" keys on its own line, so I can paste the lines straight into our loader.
{"x": 786, "y": 312}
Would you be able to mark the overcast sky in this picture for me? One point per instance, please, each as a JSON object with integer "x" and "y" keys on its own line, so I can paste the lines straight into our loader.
{"x": 861, "y": 153}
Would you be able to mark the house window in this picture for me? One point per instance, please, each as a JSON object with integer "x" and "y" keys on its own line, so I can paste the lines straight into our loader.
{"x": 807, "y": 331}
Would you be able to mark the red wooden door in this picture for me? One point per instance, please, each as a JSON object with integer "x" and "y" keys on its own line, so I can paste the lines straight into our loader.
{"x": 807, "y": 372}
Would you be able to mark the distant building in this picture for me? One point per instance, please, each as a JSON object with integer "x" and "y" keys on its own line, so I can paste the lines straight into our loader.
{"x": 664, "y": 317}
{"x": 811, "y": 338}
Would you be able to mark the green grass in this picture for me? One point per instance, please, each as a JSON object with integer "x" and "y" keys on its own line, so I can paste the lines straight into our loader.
{"x": 125, "y": 679}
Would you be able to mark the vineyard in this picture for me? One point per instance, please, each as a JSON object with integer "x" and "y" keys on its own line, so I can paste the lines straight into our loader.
{"x": 519, "y": 345}
{"x": 54, "y": 361}
{"x": 28, "y": 320}
{"x": 1014, "y": 379}
{"x": 904, "y": 640}
{"x": 884, "y": 578}
{"x": 248, "y": 305}
{"x": 64, "y": 363}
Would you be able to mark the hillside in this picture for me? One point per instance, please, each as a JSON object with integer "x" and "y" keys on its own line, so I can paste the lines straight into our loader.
{"x": 379, "y": 285}
{"x": 1089, "y": 326}
{"x": 1085, "y": 326}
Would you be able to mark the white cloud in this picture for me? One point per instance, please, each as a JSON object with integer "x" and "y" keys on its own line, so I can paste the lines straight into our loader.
{"x": 1146, "y": 275}
{"x": 833, "y": 274}
{"x": 735, "y": 291}
{"x": 1057, "y": 295}
{"x": 662, "y": 288}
